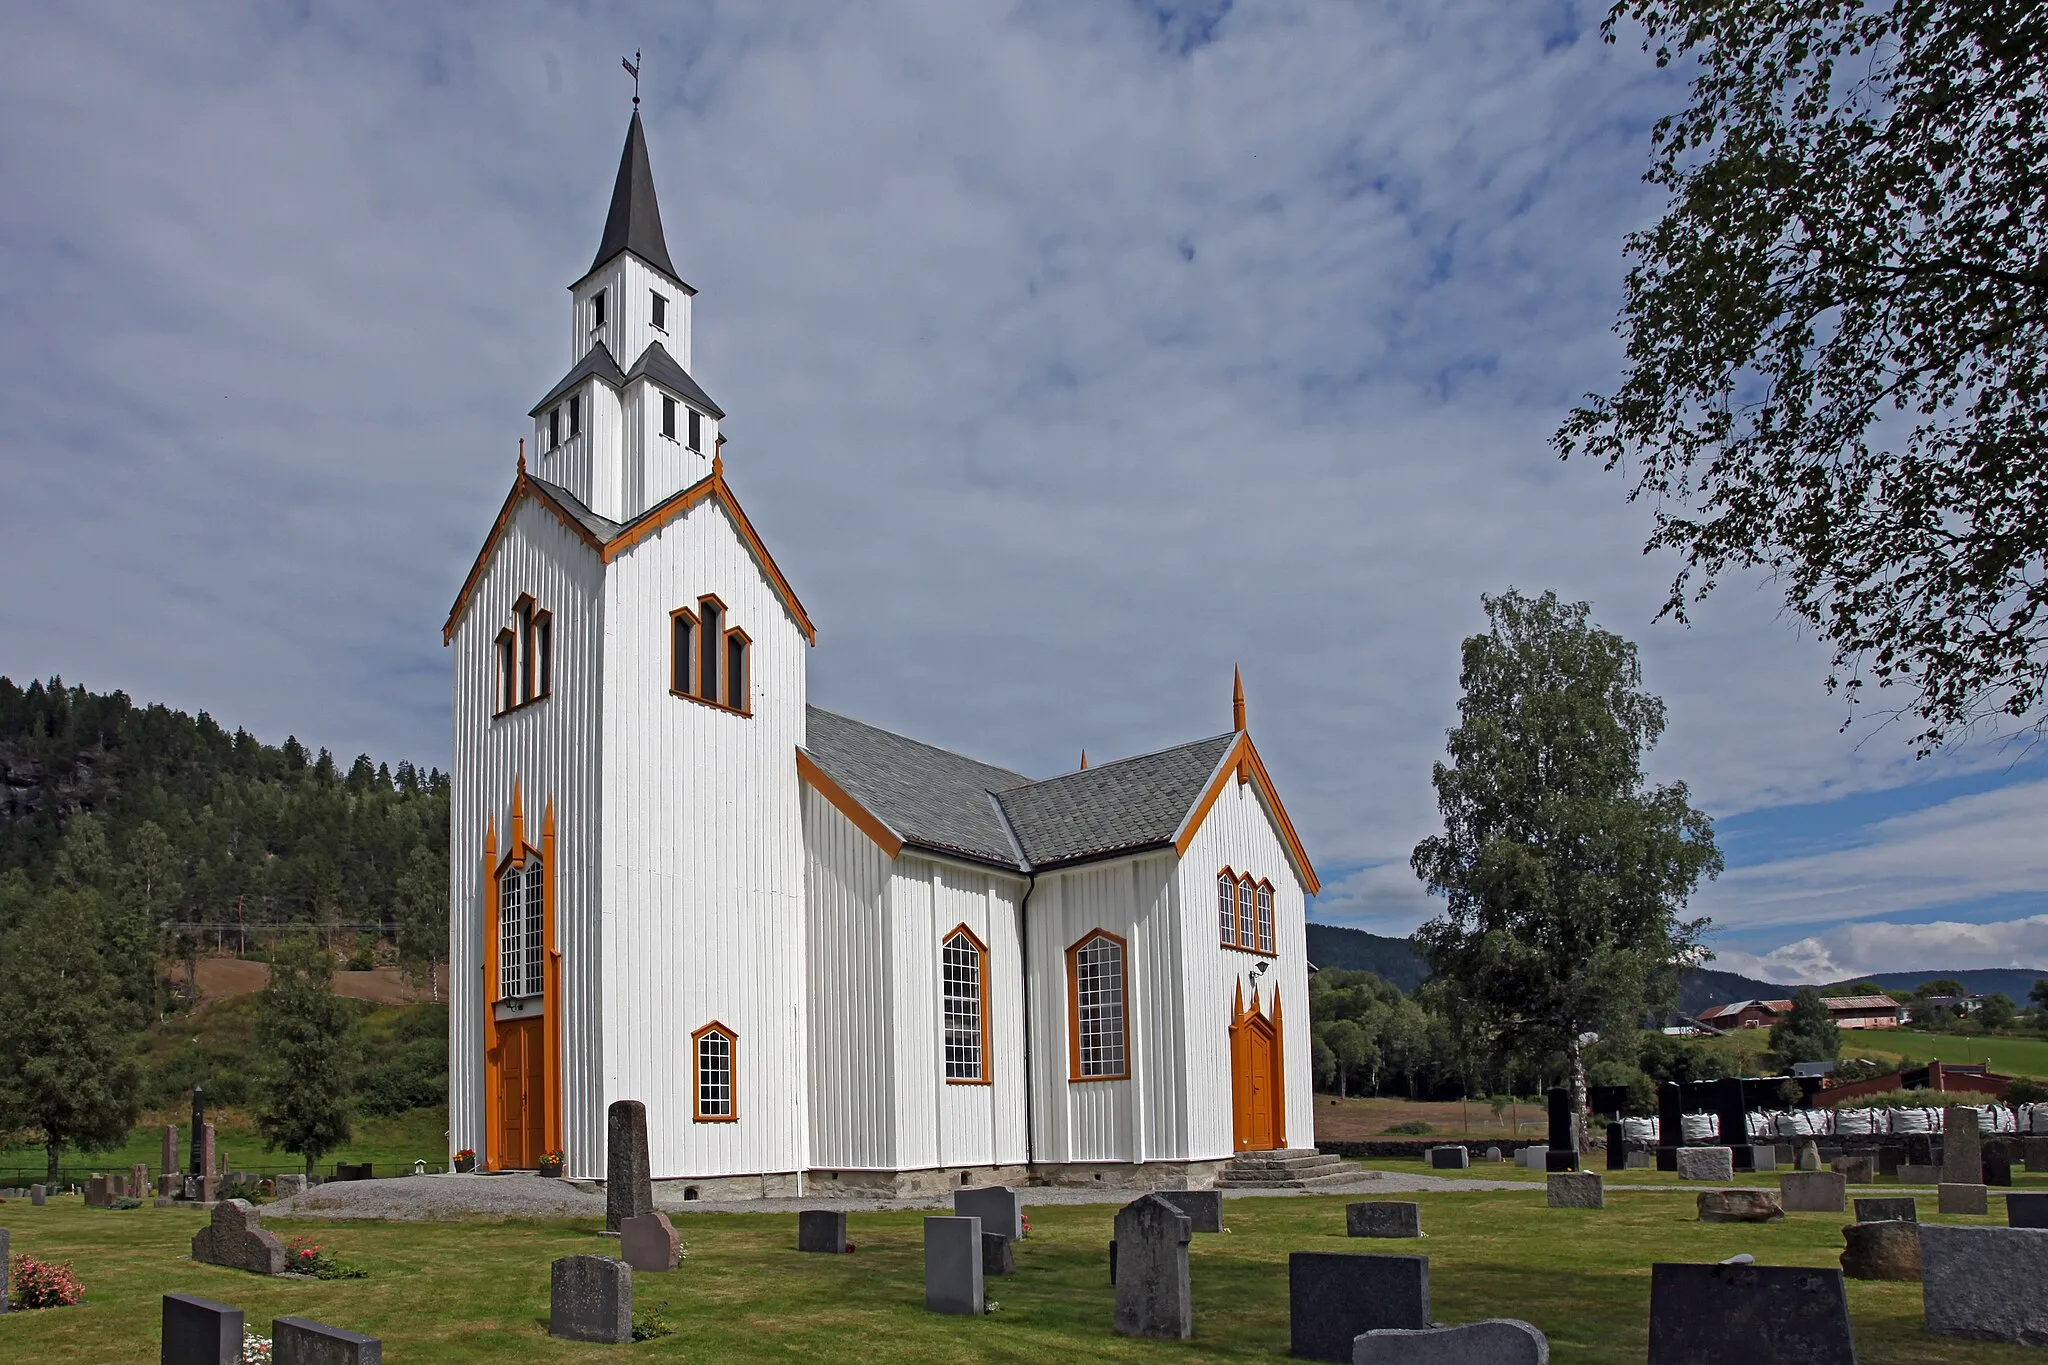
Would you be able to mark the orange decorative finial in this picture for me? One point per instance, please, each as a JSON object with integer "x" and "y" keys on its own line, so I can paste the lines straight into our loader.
{"x": 718, "y": 458}
{"x": 1236, "y": 701}
{"x": 522, "y": 454}
{"x": 1084, "y": 758}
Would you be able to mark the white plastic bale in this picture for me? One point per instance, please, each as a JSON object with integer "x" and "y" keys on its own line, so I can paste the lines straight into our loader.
{"x": 1639, "y": 1130}
{"x": 1699, "y": 1127}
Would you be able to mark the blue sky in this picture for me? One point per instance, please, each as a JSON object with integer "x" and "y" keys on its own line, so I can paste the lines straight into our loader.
{"x": 1074, "y": 353}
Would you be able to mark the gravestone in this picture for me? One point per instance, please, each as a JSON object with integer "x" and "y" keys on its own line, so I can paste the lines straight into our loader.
{"x": 1720, "y": 1314}
{"x": 237, "y": 1239}
{"x": 1531, "y": 1158}
{"x": 1151, "y": 1271}
{"x": 1640, "y": 1161}
{"x": 1739, "y": 1206}
{"x": 1910, "y": 1174}
{"x": 138, "y": 1180}
{"x": 299, "y": 1341}
{"x": 1985, "y": 1282}
{"x": 1383, "y": 1218}
{"x": 1902, "y": 1209}
{"x": 2035, "y": 1152}
{"x": 1202, "y": 1208}
{"x": 1556, "y": 1160}
{"x": 1573, "y": 1190}
{"x": 1334, "y": 1297}
{"x": 1617, "y": 1147}
{"x": 1706, "y": 1163}
{"x": 1856, "y": 1170}
{"x": 997, "y": 1206}
{"x": 1493, "y": 1154}
{"x": 1670, "y": 1114}
{"x": 1809, "y": 1156}
{"x": 821, "y": 1230}
{"x": 1763, "y": 1157}
{"x": 1567, "y": 1129}
{"x": 1888, "y": 1159}
{"x": 2027, "y": 1210}
{"x": 649, "y": 1242}
{"x": 628, "y": 1190}
{"x": 1963, "y": 1199}
{"x": 1784, "y": 1153}
{"x": 998, "y": 1255}
{"x": 198, "y": 1128}
{"x": 99, "y": 1192}
{"x": 1813, "y": 1191}
{"x": 590, "y": 1298}
{"x": 1494, "y": 1341}
{"x": 952, "y": 1266}
{"x": 1731, "y": 1109}
{"x": 289, "y": 1185}
{"x": 1998, "y": 1169}
{"x": 209, "y": 1160}
{"x": 1881, "y": 1251}
{"x": 1449, "y": 1158}
{"x": 199, "y": 1331}
{"x": 37, "y": 1196}
{"x": 170, "y": 1148}
{"x": 1962, "y": 1147}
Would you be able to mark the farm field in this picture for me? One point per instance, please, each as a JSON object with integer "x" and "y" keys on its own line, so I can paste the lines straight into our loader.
{"x": 477, "y": 1291}
{"x": 392, "y": 1144}
{"x": 2008, "y": 1056}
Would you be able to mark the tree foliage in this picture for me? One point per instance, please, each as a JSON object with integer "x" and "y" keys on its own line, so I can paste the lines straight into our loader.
{"x": 1837, "y": 335}
{"x": 1809, "y": 1033}
{"x": 68, "y": 1068}
{"x": 308, "y": 1035}
{"x": 1564, "y": 872}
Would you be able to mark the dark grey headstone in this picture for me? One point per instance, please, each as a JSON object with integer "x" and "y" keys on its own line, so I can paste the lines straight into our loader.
{"x": 1567, "y": 1125}
{"x": 1985, "y": 1282}
{"x": 1574, "y": 1190}
{"x": 952, "y": 1266}
{"x": 1762, "y": 1157}
{"x": 1152, "y": 1294}
{"x": 649, "y": 1243}
{"x": 201, "y": 1332}
{"x": 1334, "y": 1297}
{"x": 821, "y": 1230}
{"x": 1998, "y": 1169}
{"x": 1912, "y": 1174}
{"x": 1202, "y": 1208}
{"x": 1963, "y": 1199}
{"x": 99, "y": 1192}
{"x": 1858, "y": 1168}
{"x": 1667, "y": 1158}
{"x": 237, "y": 1239}
{"x": 2028, "y": 1210}
{"x": 1899, "y": 1209}
{"x": 1617, "y": 1147}
{"x": 997, "y": 1206}
{"x": 1962, "y": 1147}
{"x": 296, "y": 1341}
{"x": 998, "y": 1255}
{"x": 590, "y": 1298}
{"x": 1383, "y": 1218}
{"x": 1556, "y": 1159}
{"x": 1747, "y": 1314}
{"x": 1813, "y": 1191}
{"x": 1449, "y": 1158}
{"x": 628, "y": 1189}
{"x": 1494, "y": 1341}
{"x": 1888, "y": 1160}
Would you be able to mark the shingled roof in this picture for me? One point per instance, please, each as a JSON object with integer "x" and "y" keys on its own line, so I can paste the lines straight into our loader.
{"x": 633, "y": 223}
{"x": 943, "y": 801}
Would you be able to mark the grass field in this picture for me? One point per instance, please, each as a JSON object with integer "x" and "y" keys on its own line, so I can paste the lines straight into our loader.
{"x": 2008, "y": 1056}
{"x": 1354, "y": 1120}
{"x": 442, "y": 1292}
{"x": 392, "y": 1144}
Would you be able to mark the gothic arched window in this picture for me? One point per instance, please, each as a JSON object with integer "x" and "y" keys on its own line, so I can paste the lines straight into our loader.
{"x": 522, "y": 947}
{"x": 963, "y": 962}
{"x": 715, "y": 1066}
{"x": 1096, "y": 991}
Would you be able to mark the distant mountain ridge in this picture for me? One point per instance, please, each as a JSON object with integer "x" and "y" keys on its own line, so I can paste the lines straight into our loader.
{"x": 1395, "y": 960}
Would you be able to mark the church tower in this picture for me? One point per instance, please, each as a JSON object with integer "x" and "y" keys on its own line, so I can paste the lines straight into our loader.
{"x": 627, "y": 426}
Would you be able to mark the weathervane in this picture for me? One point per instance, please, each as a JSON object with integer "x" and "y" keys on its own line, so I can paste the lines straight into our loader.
{"x": 633, "y": 70}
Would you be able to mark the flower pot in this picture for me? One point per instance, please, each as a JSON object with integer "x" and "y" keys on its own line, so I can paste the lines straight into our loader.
{"x": 553, "y": 1169}
{"x": 464, "y": 1165}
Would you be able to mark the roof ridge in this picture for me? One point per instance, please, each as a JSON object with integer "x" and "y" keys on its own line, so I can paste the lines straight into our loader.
{"x": 1095, "y": 769}
{"x": 920, "y": 743}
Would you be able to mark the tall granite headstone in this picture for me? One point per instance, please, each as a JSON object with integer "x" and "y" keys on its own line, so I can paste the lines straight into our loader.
{"x": 170, "y": 1149}
{"x": 199, "y": 1331}
{"x": 1566, "y": 1132}
{"x": 1333, "y": 1297}
{"x": 198, "y": 1127}
{"x": 1731, "y": 1108}
{"x": 300, "y": 1341}
{"x": 1152, "y": 1294}
{"x": 1962, "y": 1147}
{"x": 1714, "y": 1314}
{"x": 1985, "y": 1282}
{"x": 628, "y": 1187}
{"x": 952, "y": 1266}
{"x": 997, "y": 1206}
{"x": 1617, "y": 1147}
{"x": 1202, "y": 1208}
{"x": 1670, "y": 1124}
{"x": 590, "y": 1298}
{"x": 209, "y": 1156}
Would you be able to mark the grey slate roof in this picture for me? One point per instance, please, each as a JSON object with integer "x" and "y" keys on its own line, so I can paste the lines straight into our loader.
{"x": 657, "y": 364}
{"x": 597, "y": 363}
{"x": 940, "y": 800}
{"x": 1128, "y": 804}
{"x": 604, "y": 528}
{"x": 634, "y": 221}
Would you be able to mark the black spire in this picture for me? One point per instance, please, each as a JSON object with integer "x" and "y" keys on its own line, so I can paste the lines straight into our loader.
{"x": 634, "y": 223}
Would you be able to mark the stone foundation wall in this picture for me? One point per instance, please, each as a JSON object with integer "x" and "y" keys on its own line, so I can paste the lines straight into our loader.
{"x": 940, "y": 1181}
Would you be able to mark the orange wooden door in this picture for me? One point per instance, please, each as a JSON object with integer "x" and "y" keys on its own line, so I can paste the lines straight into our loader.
{"x": 1254, "y": 1084}
{"x": 522, "y": 1094}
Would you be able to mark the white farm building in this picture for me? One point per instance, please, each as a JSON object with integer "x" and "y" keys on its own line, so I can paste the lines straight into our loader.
{"x": 821, "y": 954}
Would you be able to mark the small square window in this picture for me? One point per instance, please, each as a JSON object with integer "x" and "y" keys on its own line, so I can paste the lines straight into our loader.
{"x": 668, "y": 417}
{"x": 575, "y": 415}
{"x": 597, "y": 310}
{"x": 696, "y": 430}
{"x": 660, "y": 311}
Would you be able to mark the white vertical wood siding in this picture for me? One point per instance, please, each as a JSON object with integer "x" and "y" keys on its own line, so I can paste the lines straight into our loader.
{"x": 550, "y": 748}
{"x": 703, "y": 858}
{"x": 629, "y": 313}
{"x": 1241, "y": 834}
{"x": 852, "y": 1090}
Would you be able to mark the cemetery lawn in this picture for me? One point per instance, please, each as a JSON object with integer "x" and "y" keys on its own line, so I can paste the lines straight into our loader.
{"x": 478, "y": 1291}
{"x": 392, "y": 1144}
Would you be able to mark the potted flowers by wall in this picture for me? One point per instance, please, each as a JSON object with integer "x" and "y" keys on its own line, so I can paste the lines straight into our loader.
{"x": 465, "y": 1160}
{"x": 551, "y": 1163}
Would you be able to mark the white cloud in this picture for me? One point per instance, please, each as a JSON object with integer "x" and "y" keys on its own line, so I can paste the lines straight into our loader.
{"x": 1860, "y": 949}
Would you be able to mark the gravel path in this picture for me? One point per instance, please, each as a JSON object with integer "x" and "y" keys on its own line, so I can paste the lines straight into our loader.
{"x": 432, "y": 1197}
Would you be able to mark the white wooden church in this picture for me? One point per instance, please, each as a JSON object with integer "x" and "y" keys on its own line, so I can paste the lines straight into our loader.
{"x": 822, "y": 954}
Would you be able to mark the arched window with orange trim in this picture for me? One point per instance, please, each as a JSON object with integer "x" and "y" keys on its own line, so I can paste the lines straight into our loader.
{"x": 715, "y": 1052}
{"x": 1226, "y": 907}
{"x": 1247, "y": 916}
{"x": 963, "y": 966}
{"x": 1097, "y": 1038}
{"x": 1264, "y": 893}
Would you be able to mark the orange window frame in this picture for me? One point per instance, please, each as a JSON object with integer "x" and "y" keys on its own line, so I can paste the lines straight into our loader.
{"x": 1268, "y": 917}
{"x": 682, "y": 682}
{"x": 960, "y": 930}
{"x": 710, "y": 647}
{"x": 732, "y": 1063}
{"x": 506, "y": 647}
{"x": 1074, "y": 1075}
{"x": 715, "y": 692}
{"x": 1226, "y": 885}
{"x": 739, "y": 697}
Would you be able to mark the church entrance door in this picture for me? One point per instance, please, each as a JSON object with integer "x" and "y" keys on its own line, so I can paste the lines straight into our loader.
{"x": 522, "y": 1094}
{"x": 1255, "y": 1081}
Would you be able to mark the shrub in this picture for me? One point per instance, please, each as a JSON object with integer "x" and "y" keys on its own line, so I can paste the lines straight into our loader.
{"x": 1915, "y": 1099}
{"x": 45, "y": 1284}
{"x": 1413, "y": 1126}
{"x": 648, "y": 1324}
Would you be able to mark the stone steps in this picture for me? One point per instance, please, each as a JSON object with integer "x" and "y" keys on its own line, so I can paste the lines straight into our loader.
{"x": 1293, "y": 1169}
